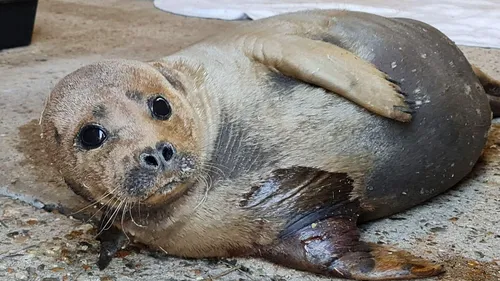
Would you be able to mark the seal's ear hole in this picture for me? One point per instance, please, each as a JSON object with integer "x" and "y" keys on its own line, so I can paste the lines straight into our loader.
{"x": 91, "y": 136}
{"x": 160, "y": 108}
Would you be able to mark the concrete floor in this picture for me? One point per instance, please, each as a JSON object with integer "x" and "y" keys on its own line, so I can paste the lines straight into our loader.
{"x": 460, "y": 228}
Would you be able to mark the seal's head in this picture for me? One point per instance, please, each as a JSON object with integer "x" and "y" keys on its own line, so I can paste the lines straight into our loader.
{"x": 124, "y": 130}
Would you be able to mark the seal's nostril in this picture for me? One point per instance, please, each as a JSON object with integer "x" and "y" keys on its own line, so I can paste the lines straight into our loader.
{"x": 167, "y": 152}
{"x": 149, "y": 161}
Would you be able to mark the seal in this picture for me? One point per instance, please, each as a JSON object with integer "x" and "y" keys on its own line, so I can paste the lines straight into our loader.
{"x": 274, "y": 140}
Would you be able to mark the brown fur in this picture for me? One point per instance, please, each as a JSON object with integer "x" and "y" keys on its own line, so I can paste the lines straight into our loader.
{"x": 93, "y": 168}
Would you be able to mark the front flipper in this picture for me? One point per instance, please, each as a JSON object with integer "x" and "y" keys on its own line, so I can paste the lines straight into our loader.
{"x": 332, "y": 68}
{"x": 111, "y": 239}
{"x": 320, "y": 235}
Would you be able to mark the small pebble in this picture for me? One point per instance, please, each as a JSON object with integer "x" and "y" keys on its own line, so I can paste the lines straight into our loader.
{"x": 32, "y": 221}
{"x": 438, "y": 229}
{"x": 21, "y": 276}
{"x": 31, "y": 270}
{"x": 85, "y": 227}
{"x": 130, "y": 265}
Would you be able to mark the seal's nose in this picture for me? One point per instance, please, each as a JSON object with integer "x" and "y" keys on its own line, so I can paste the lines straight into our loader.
{"x": 157, "y": 158}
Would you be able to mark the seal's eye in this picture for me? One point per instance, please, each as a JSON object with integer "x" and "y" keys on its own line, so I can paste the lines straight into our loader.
{"x": 160, "y": 108}
{"x": 91, "y": 136}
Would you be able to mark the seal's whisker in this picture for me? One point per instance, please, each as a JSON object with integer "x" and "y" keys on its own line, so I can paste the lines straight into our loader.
{"x": 209, "y": 169}
{"x": 210, "y": 183}
{"x": 206, "y": 178}
{"x": 215, "y": 168}
{"x": 205, "y": 196}
{"x": 110, "y": 209}
{"x": 92, "y": 204}
{"x": 131, "y": 215}
{"x": 105, "y": 215}
{"x": 112, "y": 218}
{"x": 105, "y": 205}
{"x": 209, "y": 186}
{"x": 208, "y": 173}
{"x": 106, "y": 194}
{"x": 95, "y": 213}
{"x": 200, "y": 179}
{"x": 123, "y": 219}
{"x": 139, "y": 210}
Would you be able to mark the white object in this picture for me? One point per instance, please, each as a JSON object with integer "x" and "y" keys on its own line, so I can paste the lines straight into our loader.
{"x": 473, "y": 23}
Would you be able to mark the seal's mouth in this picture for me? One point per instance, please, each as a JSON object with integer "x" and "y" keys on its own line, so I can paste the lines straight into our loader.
{"x": 169, "y": 187}
{"x": 184, "y": 172}
{"x": 143, "y": 184}
{"x": 168, "y": 193}
{"x": 179, "y": 179}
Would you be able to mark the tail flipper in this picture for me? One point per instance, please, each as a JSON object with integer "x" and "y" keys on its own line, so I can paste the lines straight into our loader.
{"x": 492, "y": 88}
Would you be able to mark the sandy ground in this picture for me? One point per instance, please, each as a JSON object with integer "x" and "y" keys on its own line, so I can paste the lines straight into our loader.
{"x": 460, "y": 228}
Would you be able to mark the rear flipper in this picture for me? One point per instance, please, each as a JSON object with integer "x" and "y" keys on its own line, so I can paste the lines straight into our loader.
{"x": 332, "y": 248}
{"x": 321, "y": 233}
{"x": 492, "y": 88}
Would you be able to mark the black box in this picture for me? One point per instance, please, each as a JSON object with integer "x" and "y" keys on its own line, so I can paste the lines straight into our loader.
{"x": 17, "y": 18}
